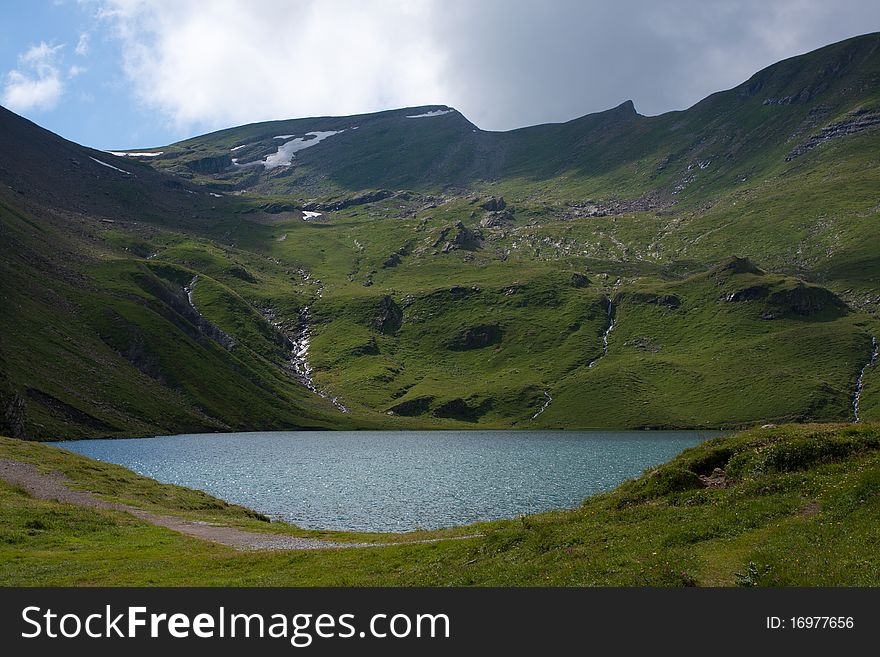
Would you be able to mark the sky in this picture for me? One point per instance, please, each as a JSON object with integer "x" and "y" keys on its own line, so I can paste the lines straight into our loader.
{"x": 115, "y": 74}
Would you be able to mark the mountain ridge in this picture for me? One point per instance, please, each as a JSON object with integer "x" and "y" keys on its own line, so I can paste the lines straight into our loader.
{"x": 424, "y": 273}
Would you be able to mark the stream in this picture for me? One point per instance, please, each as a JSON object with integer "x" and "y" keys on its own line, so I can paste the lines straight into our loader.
{"x": 860, "y": 382}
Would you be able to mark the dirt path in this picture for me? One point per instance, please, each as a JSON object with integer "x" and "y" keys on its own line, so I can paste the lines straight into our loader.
{"x": 53, "y": 486}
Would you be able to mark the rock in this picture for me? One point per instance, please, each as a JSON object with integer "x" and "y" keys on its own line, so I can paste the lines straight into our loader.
{"x": 578, "y": 280}
{"x": 717, "y": 480}
{"x": 857, "y": 121}
{"x": 751, "y": 293}
{"x": 210, "y": 164}
{"x": 476, "y": 337}
{"x": 497, "y": 219}
{"x": 392, "y": 261}
{"x": 465, "y": 238}
{"x": 389, "y": 316}
{"x": 360, "y": 199}
{"x": 494, "y": 204}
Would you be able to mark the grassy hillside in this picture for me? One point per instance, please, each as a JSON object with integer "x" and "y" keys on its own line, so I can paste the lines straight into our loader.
{"x": 787, "y": 506}
{"x": 446, "y": 276}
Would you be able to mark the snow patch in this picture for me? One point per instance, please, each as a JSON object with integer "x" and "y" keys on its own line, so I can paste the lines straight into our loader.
{"x": 109, "y": 166}
{"x": 215, "y": 195}
{"x": 132, "y": 154}
{"x": 430, "y": 114}
{"x": 283, "y": 136}
{"x": 235, "y": 148}
{"x": 284, "y": 155}
{"x": 308, "y": 215}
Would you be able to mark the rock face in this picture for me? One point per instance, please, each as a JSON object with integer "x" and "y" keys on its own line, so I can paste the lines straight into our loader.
{"x": 476, "y": 337}
{"x": 214, "y": 164}
{"x": 854, "y": 122}
{"x": 389, "y": 316}
{"x": 360, "y": 199}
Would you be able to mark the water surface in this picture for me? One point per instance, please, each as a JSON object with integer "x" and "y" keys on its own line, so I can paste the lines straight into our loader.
{"x": 396, "y": 481}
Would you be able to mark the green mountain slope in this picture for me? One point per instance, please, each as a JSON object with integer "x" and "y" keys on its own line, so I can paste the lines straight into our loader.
{"x": 445, "y": 276}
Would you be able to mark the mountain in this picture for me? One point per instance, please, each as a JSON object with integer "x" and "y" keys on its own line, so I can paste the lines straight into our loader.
{"x": 715, "y": 266}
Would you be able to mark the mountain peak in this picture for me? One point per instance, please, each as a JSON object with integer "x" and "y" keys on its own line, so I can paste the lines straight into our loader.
{"x": 627, "y": 107}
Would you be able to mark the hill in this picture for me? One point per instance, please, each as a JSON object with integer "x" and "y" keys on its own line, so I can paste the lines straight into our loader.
{"x": 712, "y": 267}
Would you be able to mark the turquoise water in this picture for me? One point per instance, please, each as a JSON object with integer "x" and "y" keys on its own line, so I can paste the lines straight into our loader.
{"x": 396, "y": 481}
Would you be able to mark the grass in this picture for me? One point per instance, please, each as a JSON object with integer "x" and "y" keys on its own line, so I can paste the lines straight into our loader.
{"x": 797, "y": 510}
{"x": 96, "y": 342}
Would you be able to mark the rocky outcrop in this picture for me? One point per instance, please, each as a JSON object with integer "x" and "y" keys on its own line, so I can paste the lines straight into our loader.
{"x": 389, "y": 316}
{"x": 855, "y": 122}
{"x": 212, "y": 164}
{"x": 751, "y": 293}
{"x": 497, "y": 219}
{"x": 494, "y": 204}
{"x": 647, "y": 203}
{"x": 476, "y": 337}
{"x": 465, "y": 238}
{"x": 392, "y": 261}
{"x": 458, "y": 236}
{"x": 578, "y": 280}
{"x": 360, "y": 199}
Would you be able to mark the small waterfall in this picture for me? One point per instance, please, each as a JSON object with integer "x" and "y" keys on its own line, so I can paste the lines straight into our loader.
{"x": 860, "y": 382}
{"x": 608, "y": 330}
{"x": 300, "y": 341}
{"x": 546, "y": 404}
{"x": 188, "y": 289}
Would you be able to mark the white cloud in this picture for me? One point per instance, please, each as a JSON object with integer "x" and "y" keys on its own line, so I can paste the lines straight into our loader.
{"x": 243, "y": 61}
{"x": 36, "y": 83}
{"x": 503, "y": 64}
{"x": 75, "y": 71}
{"x": 82, "y": 46}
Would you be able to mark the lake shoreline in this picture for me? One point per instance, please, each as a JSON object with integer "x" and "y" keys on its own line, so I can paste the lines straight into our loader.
{"x": 396, "y": 481}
